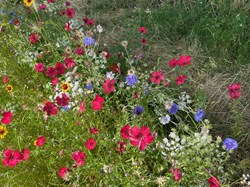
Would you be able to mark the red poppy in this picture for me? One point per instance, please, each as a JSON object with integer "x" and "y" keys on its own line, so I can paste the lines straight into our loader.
{"x": 64, "y": 173}
{"x": 79, "y": 51}
{"x": 50, "y": 108}
{"x": 39, "y": 141}
{"x": 54, "y": 81}
{"x": 63, "y": 100}
{"x": 172, "y": 63}
{"x": 34, "y": 38}
{"x": 234, "y": 91}
{"x": 39, "y": 67}
{"x": 143, "y": 41}
{"x": 79, "y": 157}
{"x": 90, "y": 144}
{"x": 26, "y": 154}
{"x": 51, "y": 72}
{"x": 109, "y": 86}
{"x": 213, "y": 182}
{"x": 184, "y": 60}
{"x": 180, "y": 79}
{"x": 97, "y": 102}
{"x": 157, "y": 77}
{"x": 69, "y": 62}
{"x": 88, "y": 21}
{"x": 11, "y": 158}
{"x": 93, "y": 130}
{"x": 125, "y": 131}
{"x": 7, "y": 118}
{"x": 70, "y": 12}
{"x": 142, "y": 30}
{"x": 140, "y": 137}
{"x": 60, "y": 68}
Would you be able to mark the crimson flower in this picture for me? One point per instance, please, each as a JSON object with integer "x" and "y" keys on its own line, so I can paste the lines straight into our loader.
{"x": 142, "y": 30}
{"x": 176, "y": 174}
{"x": 63, "y": 100}
{"x": 172, "y": 63}
{"x": 39, "y": 141}
{"x": 90, "y": 144}
{"x": 39, "y": 67}
{"x": 234, "y": 91}
{"x": 64, "y": 173}
{"x": 180, "y": 79}
{"x": 97, "y": 102}
{"x": 69, "y": 62}
{"x": 54, "y": 81}
{"x": 34, "y": 38}
{"x": 60, "y": 68}
{"x": 50, "y": 108}
{"x": 7, "y": 118}
{"x": 82, "y": 107}
{"x": 79, "y": 157}
{"x": 26, "y": 154}
{"x": 51, "y": 1}
{"x": 109, "y": 86}
{"x": 79, "y": 51}
{"x": 125, "y": 131}
{"x": 93, "y": 130}
{"x": 70, "y": 12}
{"x": 213, "y": 182}
{"x": 120, "y": 147}
{"x": 143, "y": 41}
{"x": 67, "y": 26}
{"x": 184, "y": 60}
{"x": 157, "y": 77}
{"x": 11, "y": 158}
{"x": 42, "y": 6}
{"x": 140, "y": 137}
{"x": 5, "y": 79}
{"x": 88, "y": 21}
{"x": 51, "y": 72}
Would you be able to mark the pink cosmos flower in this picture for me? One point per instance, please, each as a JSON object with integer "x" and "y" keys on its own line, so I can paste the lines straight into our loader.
{"x": 90, "y": 144}
{"x": 82, "y": 108}
{"x": 39, "y": 141}
{"x": 109, "y": 86}
{"x": 157, "y": 77}
{"x": 5, "y": 79}
{"x": 69, "y": 62}
{"x": 70, "y": 12}
{"x": 7, "y": 118}
{"x": 142, "y": 30}
{"x": 79, "y": 157}
{"x": 64, "y": 173}
{"x": 63, "y": 100}
{"x": 234, "y": 91}
{"x": 125, "y": 131}
{"x": 97, "y": 102}
{"x": 39, "y": 67}
{"x": 213, "y": 182}
{"x": 140, "y": 137}
{"x": 11, "y": 158}
{"x": 180, "y": 79}
{"x": 50, "y": 108}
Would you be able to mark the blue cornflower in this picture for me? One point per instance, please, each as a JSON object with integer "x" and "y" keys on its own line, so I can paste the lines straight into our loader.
{"x": 199, "y": 115}
{"x": 89, "y": 86}
{"x": 12, "y": 20}
{"x": 89, "y": 41}
{"x": 131, "y": 80}
{"x": 174, "y": 109}
{"x": 165, "y": 119}
{"x": 230, "y": 144}
{"x": 12, "y": 13}
{"x": 3, "y": 11}
{"x": 66, "y": 108}
{"x": 138, "y": 110}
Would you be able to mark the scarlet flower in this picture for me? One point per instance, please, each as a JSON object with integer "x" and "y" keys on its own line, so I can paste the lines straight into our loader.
{"x": 39, "y": 67}
{"x": 50, "y": 108}
{"x": 120, "y": 147}
{"x": 7, "y": 118}
{"x": 79, "y": 51}
{"x": 143, "y": 41}
{"x": 60, "y": 68}
{"x": 180, "y": 79}
{"x": 39, "y": 141}
{"x": 142, "y": 30}
{"x": 234, "y": 91}
{"x": 26, "y": 154}
{"x": 64, "y": 173}
{"x": 125, "y": 131}
{"x": 70, "y": 12}
{"x": 11, "y": 158}
{"x": 82, "y": 108}
{"x": 69, "y": 62}
{"x": 54, "y": 81}
{"x": 67, "y": 26}
{"x": 97, "y": 102}
{"x": 93, "y": 130}
{"x": 51, "y": 72}
{"x": 157, "y": 77}
{"x": 140, "y": 137}
{"x": 33, "y": 38}
{"x": 88, "y": 21}
{"x": 184, "y": 60}
{"x": 79, "y": 157}
{"x": 172, "y": 63}
{"x": 109, "y": 86}
{"x": 213, "y": 182}
{"x": 176, "y": 174}
{"x": 90, "y": 144}
{"x": 5, "y": 79}
{"x": 63, "y": 100}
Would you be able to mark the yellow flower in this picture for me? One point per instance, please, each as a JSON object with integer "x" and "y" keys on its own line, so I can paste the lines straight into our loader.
{"x": 65, "y": 86}
{"x": 9, "y": 88}
{"x": 3, "y": 132}
{"x": 35, "y": 142}
{"x": 28, "y": 3}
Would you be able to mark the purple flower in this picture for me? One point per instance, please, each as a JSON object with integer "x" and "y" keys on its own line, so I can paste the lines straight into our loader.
{"x": 165, "y": 119}
{"x": 174, "y": 109}
{"x": 131, "y": 80}
{"x": 138, "y": 110}
{"x": 89, "y": 41}
{"x": 89, "y": 86}
{"x": 199, "y": 115}
{"x": 230, "y": 144}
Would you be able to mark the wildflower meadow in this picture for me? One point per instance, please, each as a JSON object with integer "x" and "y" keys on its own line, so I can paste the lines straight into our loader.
{"x": 88, "y": 102}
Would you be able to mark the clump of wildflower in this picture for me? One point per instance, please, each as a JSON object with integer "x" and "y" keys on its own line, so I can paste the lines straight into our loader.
{"x": 199, "y": 115}
{"x": 9, "y": 88}
{"x": 65, "y": 86}
{"x": 230, "y": 144}
{"x": 3, "y": 131}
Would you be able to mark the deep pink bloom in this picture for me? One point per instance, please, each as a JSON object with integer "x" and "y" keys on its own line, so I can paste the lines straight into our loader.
{"x": 11, "y": 158}
{"x": 184, "y": 60}
{"x": 79, "y": 157}
{"x": 51, "y": 72}
{"x": 54, "y": 81}
{"x": 82, "y": 107}
{"x": 142, "y": 30}
{"x": 234, "y": 91}
{"x": 60, "y": 68}
{"x": 39, "y": 67}
{"x": 213, "y": 182}
{"x": 33, "y": 38}
{"x": 39, "y": 141}
{"x": 120, "y": 147}
{"x": 90, "y": 144}
{"x": 109, "y": 86}
{"x": 69, "y": 62}
{"x": 143, "y": 41}
{"x": 63, "y": 100}
{"x": 93, "y": 130}
{"x": 42, "y": 7}
{"x": 67, "y": 26}
{"x": 70, "y": 12}
{"x": 140, "y": 137}
{"x": 97, "y": 102}
{"x": 176, "y": 174}
{"x": 7, "y": 118}
{"x": 51, "y": 1}
{"x": 180, "y": 79}
{"x": 157, "y": 77}
{"x": 79, "y": 51}
{"x": 64, "y": 173}
{"x": 26, "y": 154}
{"x": 50, "y": 108}
{"x": 172, "y": 63}
{"x": 67, "y": 3}
{"x": 88, "y": 21}
{"x": 5, "y": 79}
{"x": 125, "y": 131}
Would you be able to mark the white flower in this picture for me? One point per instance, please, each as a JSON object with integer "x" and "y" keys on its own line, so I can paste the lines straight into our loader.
{"x": 110, "y": 75}
{"x": 99, "y": 28}
{"x": 165, "y": 119}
